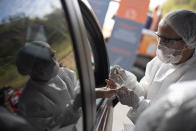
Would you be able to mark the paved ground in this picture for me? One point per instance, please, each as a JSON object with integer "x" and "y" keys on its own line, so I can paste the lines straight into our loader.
{"x": 120, "y": 119}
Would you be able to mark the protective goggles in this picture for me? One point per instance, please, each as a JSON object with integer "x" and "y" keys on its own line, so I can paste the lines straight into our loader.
{"x": 167, "y": 40}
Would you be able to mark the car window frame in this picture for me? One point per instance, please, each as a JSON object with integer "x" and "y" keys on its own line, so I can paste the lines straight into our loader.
{"x": 97, "y": 43}
{"x": 82, "y": 56}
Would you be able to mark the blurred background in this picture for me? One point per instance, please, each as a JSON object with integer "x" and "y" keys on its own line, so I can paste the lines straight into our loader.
{"x": 130, "y": 40}
{"x": 138, "y": 53}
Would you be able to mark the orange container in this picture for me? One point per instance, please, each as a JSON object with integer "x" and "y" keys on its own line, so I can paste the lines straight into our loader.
{"x": 148, "y": 44}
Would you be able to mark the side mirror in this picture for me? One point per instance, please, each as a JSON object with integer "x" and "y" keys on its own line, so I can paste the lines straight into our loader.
{"x": 99, "y": 54}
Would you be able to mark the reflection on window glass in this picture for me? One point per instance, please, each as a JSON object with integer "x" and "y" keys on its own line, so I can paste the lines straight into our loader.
{"x": 37, "y": 67}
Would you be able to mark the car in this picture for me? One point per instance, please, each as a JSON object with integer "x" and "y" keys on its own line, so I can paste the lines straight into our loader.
{"x": 72, "y": 30}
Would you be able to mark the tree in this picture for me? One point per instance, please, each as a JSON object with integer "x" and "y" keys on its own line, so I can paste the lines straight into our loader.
{"x": 170, "y": 5}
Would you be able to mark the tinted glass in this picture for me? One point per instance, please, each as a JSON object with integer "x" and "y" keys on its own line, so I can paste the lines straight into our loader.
{"x": 37, "y": 67}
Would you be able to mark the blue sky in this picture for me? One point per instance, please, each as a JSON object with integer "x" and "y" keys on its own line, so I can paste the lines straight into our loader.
{"x": 28, "y": 7}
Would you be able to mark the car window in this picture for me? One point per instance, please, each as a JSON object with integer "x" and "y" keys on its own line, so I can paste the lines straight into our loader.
{"x": 28, "y": 29}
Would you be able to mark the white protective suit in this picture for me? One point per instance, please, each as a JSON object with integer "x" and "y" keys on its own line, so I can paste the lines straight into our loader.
{"x": 51, "y": 97}
{"x": 49, "y": 105}
{"x": 175, "y": 111}
{"x": 159, "y": 76}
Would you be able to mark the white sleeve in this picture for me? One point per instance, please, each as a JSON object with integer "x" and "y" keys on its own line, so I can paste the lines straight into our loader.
{"x": 140, "y": 88}
{"x": 134, "y": 88}
{"x": 145, "y": 82}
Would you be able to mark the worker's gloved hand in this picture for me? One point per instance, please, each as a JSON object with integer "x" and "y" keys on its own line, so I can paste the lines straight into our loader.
{"x": 123, "y": 77}
{"x": 128, "y": 97}
{"x": 117, "y": 75}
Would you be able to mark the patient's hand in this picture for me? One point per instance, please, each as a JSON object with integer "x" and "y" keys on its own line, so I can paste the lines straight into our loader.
{"x": 110, "y": 90}
{"x": 110, "y": 84}
{"x": 105, "y": 92}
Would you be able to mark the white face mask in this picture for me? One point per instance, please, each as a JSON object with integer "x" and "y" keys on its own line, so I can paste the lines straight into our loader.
{"x": 165, "y": 54}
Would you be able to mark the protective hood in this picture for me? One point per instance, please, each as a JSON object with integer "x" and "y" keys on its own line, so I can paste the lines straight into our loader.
{"x": 37, "y": 60}
{"x": 183, "y": 22}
